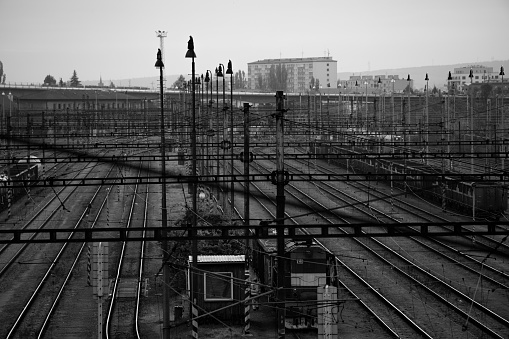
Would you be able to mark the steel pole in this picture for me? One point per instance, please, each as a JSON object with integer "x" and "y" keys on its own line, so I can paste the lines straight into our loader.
{"x": 208, "y": 118}
{"x": 232, "y": 188}
{"x": 502, "y": 118}
{"x": 195, "y": 290}
{"x": 164, "y": 220}
{"x": 427, "y": 121}
{"x": 217, "y": 138}
{"x": 225, "y": 195}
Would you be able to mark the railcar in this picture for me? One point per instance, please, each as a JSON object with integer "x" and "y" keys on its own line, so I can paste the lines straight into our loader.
{"x": 19, "y": 174}
{"x": 469, "y": 196}
{"x": 307, "y": 267}
{"x": 32, "y": 159}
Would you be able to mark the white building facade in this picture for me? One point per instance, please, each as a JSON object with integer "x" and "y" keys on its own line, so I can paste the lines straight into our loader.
{"x": 300, "y": 72}
{"x": 481, "y": 74}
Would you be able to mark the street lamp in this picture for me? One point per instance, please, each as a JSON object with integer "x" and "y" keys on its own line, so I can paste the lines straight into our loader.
{"x": 366, "y": 107}
{"x": 449, "y": 79}
{"x": 217, "y": 133}
{"x": 194, "y": 248}
{"x": 404, "y": 129}
{"x": 164, "y": 214}
{"x": 201, "y": 91}
{"x": 379, "y": 84}
{"x": 408, "y": 93}
{"x": 347, "y": 102}
{"x": 3, "y": 113}
{"x": 229, "y": 70}
{"x": 224, "y": 143}
{"x": 207, "y": 80}
{"x": 393, "y": 109}
{"x": 427, "y": 117}
{"x": 356, "y": 104}
{"x": 471, "y": 76}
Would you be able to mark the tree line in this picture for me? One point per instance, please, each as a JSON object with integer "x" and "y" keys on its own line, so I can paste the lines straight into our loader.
{"x": 274, "y": 81}
{"x": 239, "y": 81}
{"x": 74, "y": 81}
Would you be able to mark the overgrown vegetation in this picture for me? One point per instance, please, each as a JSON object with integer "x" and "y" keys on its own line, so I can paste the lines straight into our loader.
{"x": 180, "y": 251}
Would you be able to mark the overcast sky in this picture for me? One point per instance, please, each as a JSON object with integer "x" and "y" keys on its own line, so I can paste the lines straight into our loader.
{"x": 116, "y": 39}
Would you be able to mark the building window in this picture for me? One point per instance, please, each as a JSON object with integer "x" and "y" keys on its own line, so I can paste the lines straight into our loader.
{"x": 218, "y": 286}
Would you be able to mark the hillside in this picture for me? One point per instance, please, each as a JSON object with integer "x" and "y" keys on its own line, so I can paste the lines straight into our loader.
{"x": 437, "y": 75}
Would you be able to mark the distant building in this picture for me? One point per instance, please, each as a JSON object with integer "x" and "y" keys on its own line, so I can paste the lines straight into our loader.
{"x": 481, "y": 74}
{"x": 77, "y": 99}
{"x": 374, "y": 84}
{"x": 300, "y": 72}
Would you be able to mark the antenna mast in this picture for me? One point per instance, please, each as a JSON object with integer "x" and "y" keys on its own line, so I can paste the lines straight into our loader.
{"x": 161, "y": 35}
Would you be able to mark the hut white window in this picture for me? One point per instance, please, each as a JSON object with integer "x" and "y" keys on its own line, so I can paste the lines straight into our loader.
{"x": 218, "y": 286}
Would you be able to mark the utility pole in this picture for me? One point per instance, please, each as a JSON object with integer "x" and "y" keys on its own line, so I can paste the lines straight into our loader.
{"x": 164, "y": 212}
{"x": 280, "y": 179}
{"x": 229, "y": 70}
{"x": 195, "y": 289}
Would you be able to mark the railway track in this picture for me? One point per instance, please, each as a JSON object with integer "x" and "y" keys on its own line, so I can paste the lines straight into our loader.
{"x": 379, "y": 325}
{"x": 33, "y": 318}
{"x": 43, "y": 217}
{"x": 496, "y": 320}
{"x": 122, "y": 314}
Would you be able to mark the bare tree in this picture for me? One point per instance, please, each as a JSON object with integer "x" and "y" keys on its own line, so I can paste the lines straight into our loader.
{"x": 259, "y": 82}
{"x": 240, "y": 80}
{"x": 278, "y": 76}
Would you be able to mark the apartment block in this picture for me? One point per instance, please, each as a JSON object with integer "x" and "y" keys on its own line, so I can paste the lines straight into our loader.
{"x": 301, "y": 73}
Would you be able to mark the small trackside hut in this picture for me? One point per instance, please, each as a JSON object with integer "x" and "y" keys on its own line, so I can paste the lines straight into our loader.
{"x": 221, "y": 282}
